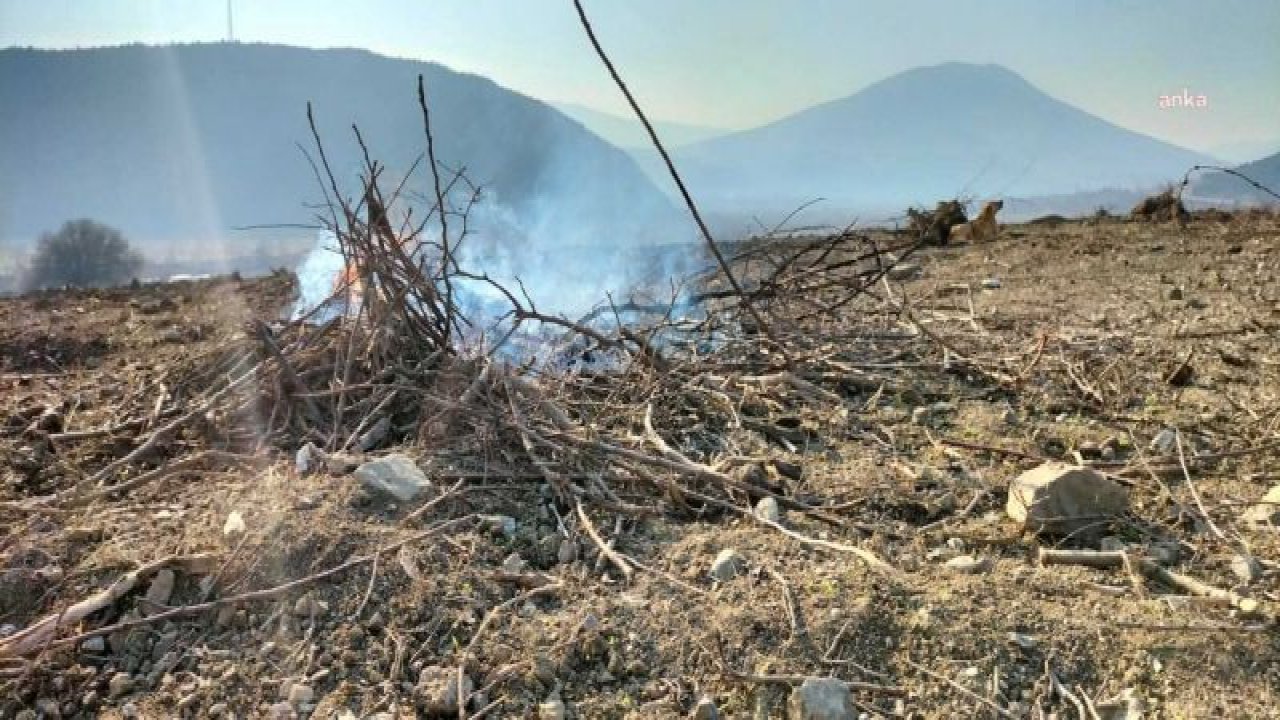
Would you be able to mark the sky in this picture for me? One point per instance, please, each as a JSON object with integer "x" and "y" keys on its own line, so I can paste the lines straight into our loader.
{"x": 737, "y": 64}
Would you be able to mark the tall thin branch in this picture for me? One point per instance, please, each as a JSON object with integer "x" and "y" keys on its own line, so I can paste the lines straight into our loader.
{"x": 684, "y": 192}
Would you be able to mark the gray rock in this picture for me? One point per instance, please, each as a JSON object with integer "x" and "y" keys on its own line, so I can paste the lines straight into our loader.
{"x": 1165, "y": 442}
{"x": 119, "y": 685}
{"x": 1111, "y": 543}
{"x": 217, "y": 709}
{"x": 308, "y": 458}
{"x": 437, "y": 690}
{"x": 280, "y": 711}
{"x": 821, "y": 699}
{"x": 727, "y": 565}
{"x": 300, "y": 694}
{"x": 767, "y": 509}
{"x": 905, "y": 271}
{"x": 499, "y": 525}
{"x": 552, "y": 708}
{"x": 1060, "y": 499}
{"x": 1246, "y": 567}
{"x": 968, "y": 564}
{"x": 374, "y": 436}
{"x": 1125, "y": 706}
{"x": 705, "y": 709}
{"x": 568, "y": 551}
{"x": 514, "y": 564}
{"x": 161, "y": 589}
{"x": 1165, "y": 553}
{"x": 394, "y": 476}
{"x": 1267, "y": 510}
{"x": 95, "y": 645}
{"x": 129, "y": 710}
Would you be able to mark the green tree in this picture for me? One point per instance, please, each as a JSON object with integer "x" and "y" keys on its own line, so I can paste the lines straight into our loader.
{"x": 83, "y": 253}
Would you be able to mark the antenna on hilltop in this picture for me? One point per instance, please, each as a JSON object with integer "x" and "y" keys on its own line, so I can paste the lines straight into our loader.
{"x": 231, "y": 28}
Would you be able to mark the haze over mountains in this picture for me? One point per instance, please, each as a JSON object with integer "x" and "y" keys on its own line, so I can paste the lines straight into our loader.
{"x": 179, "y": 144}
{"x": 1223, "y": 188}
{"x": 921, "y": 135}
{"x": 627, "y": 133}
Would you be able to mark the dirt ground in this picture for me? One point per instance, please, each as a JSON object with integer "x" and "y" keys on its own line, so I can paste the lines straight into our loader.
{"x": 1088, "y": 341}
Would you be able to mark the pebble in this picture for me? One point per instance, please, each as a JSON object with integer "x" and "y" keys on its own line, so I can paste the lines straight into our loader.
{"x": 992, "y": 283}
{"x": 217, "y": 710}
{"x": 727, "y": 565}
{"x": 705, "y": 709}
{"x": 1175, "y": 293}
{"x": 1246, "y": 568}
{"x": 513, "y": 564}
{"x": 552, "y": 708}
{"x": 120, "y": 684}
{"x": 280, "y": 711}
{"x": 568, "y": 551}
{"x": 968, "y": 564}
{"x": 767, "y": 509}
{"x": 500, "y": 525}
{"x": 96, "y": 645}
{"x": 301, "y": 694}
{"x": 161, "y": 589}
{"x": 129, "y": 710}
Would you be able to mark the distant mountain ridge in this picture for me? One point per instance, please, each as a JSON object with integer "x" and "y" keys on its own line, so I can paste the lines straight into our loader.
{"x": 627, "y": 132}
{"x": 183, "y": 143}
{"x": 924, "y": 134}
{"x": 1224, "y": 188}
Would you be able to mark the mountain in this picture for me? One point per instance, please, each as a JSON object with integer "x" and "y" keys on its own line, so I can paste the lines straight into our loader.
{"x": 921, "y": 135}
{"x": 627, "y": 132}
{"x": 178, "y": 145}
{"x": 1245, "y": 150}
{"x": 1221, "y": 188}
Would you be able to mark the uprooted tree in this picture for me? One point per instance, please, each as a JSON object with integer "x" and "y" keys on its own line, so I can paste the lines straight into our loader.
{"x": 83, "y": 253}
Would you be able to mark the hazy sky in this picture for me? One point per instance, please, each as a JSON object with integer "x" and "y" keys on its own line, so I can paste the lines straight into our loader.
{"x": 739, "y": 63}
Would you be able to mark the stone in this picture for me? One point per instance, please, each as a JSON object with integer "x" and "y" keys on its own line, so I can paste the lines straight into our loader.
{"x": 1246, "y": 568}
{"x": 1060, "y": 499}
{"x": 280, "y": 711}
{"x": 1165, "y": 442}
{"x": 767, "y": 509}
{"x": 217, "y": 709}
{"x": 905, "y": 271}
{"x": 968, "y": 564}
{"x": 119, "y": 685}
{"x": 95, "y": 645}
{"x": 992, "y": 283}
{"x": 437, "y": 690}
{"x": 821, "y": 699}
{"x": 1164, "y": 553}
{"x": 374, "y": 436}
{"x": 705, "y": 709}
{"x": 161, "y": 588}
{"x": 234, "y": 524}
{"x": 301, "y": 694}
{"x": 499, "y": 525}
{"x": 514, "y": 564}
{"x": 395, "y": 476}
{"x": 1175, "y": 293}
{"x": 1125, "y": 706}
{"x": 1111, "y": 543}
{"x": 568, "y": 551}
{"x": 552, "y": 708}
{"x": 1267, "y": 510}
{"x": 308, "y": 458}
{"x": 727, "y": 565}
{"x": 129, "y": 710}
